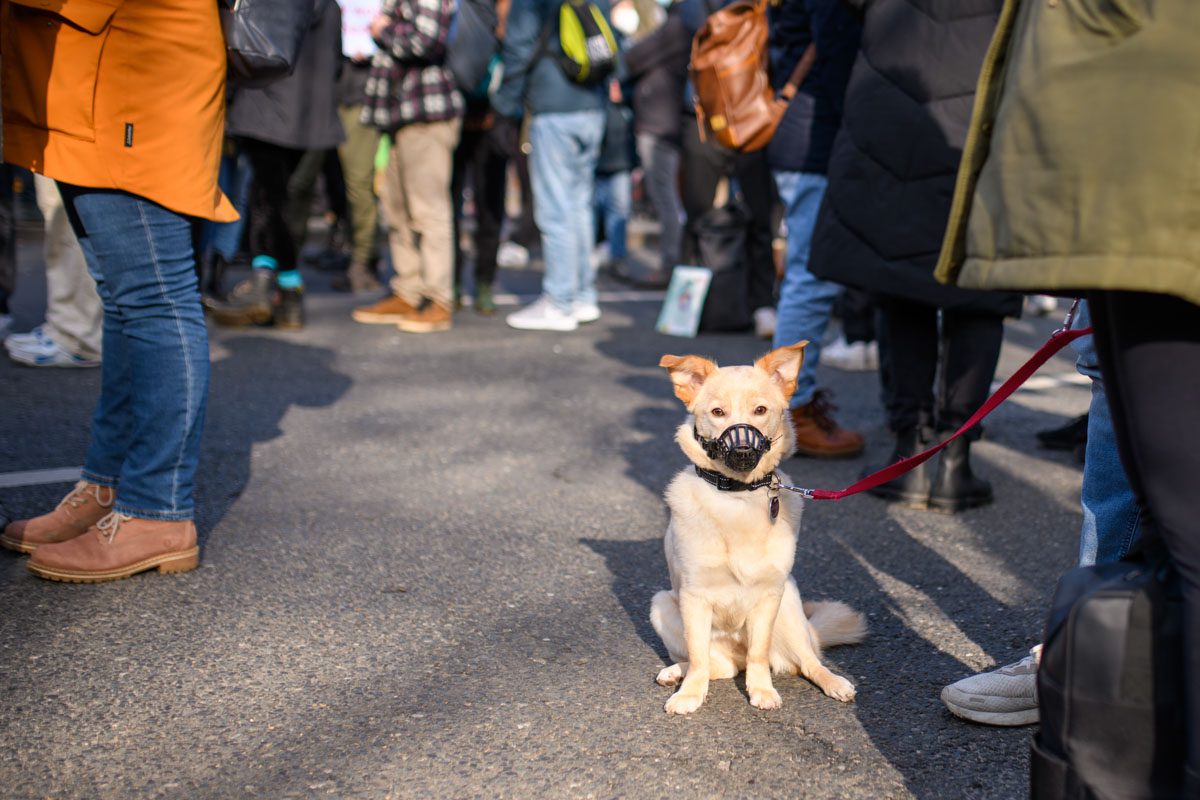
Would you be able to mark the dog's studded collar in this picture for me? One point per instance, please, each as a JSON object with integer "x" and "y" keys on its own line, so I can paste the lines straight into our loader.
{"x": 727, "y": 484}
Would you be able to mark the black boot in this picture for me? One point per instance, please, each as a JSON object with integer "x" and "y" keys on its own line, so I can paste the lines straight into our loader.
{"x": 955, "y": 488}
{"x": 289, "y": 309}
{"x": 248, "y": 303}
{"x": 911, "y": 489}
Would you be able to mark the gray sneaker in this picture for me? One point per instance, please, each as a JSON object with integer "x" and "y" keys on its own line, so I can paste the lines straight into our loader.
{"x": 1004, "y": 696}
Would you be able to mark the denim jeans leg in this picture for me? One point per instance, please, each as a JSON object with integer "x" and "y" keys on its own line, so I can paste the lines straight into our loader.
{"x": 1111, "y": 515}
{"x": 141, "y": 255}
{"x": 616, "y": 207}
{"x": 805, "y": 301}
{"x": 660, "y": 166}
{"x": 562, "y": 169}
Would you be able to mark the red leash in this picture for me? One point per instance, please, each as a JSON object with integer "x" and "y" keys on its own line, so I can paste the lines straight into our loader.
{"x": 1059, "y": 340}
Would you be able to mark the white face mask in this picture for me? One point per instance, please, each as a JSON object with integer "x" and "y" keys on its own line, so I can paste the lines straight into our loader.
{"x": 625, "y": 19}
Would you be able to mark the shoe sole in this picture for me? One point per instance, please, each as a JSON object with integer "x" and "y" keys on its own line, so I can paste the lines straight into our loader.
{"x": 422, "y": 327}
{"x": 1004, "y": 719}
{"x": 375, "y": 319}
{"x": 182, "y": 561}
{"x": 242, "y": 317}
{"x": 17, "y": 545}
{"x": 913, "y": 501}
{"x": 954, "y": 506}
{"x": 562, "y": 328}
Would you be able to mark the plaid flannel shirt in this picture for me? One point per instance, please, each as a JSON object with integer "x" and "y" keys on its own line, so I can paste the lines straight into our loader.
{"x": 408, "y": 82}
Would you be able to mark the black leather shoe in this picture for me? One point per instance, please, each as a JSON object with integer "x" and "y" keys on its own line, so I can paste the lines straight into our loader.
{"x": 1068, "y": 437}
{"x": 288, "y": 312}
{"x": 911, "y": 489}
{"x": 955, "y": 487}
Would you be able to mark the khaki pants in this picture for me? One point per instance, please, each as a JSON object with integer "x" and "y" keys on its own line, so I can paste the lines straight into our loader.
{"x": 358, "y": 168}
{"x": 417, "y": 209}
{"x": 74, "y": 315}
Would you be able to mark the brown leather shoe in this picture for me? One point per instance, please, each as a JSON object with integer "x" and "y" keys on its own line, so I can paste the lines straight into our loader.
{"x": 428, "y": 318}
{"x": 86, "y": 505}
{"x": 387, "y": 311}
{"x": 818, "y": 435}
{"x": 119, "y": 546}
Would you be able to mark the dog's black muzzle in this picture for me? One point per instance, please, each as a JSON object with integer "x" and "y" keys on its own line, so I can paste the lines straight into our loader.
{"x": 740, "y": 446}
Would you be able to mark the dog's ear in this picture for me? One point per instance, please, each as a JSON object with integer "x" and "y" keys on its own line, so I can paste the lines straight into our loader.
{"x": 688, "y": 373}
{"x": 783, "y": 365}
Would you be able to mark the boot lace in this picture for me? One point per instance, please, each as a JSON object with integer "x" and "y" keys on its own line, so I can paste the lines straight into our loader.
{"x": 79, "y": 496}
{"x": 821, "y": 410}
{"x": 111, "y": 524}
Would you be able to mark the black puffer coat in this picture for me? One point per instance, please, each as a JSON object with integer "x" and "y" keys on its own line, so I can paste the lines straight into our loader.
{"x": 299, "y": 111}
{"x": 894, "y": 162}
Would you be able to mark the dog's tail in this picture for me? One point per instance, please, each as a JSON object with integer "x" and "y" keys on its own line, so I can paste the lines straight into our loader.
{"x": 835, "y": 623}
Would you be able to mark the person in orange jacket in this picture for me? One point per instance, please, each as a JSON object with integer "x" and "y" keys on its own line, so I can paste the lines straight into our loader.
{"x": 122, "y": 102}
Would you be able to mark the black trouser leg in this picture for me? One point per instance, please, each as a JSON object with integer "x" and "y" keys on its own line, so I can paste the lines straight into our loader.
{"x": 857, "y": 310}
{"x": 758, "y": 192}
{"x": 273, "y": 167}
{"x": 490, "y": 174}
{"x": 911, "y": 330}
{"x": 703, "y": 167}
{"x": 1149, "y": 347}
{"x": 970, "y": 344}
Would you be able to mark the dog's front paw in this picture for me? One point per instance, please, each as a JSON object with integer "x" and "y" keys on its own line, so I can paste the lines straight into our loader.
{"x": 765, "y": 698}
{"x": 839, "y": 689}
{"x": 683, "y": 702}
{"x": 669, "y": 676}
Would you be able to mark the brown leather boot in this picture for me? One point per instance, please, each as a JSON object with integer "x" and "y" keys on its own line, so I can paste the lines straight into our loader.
{"x": 86, "y": 505}
{"x": 818, "y": 435}
{"x": 387, "y": 311}
{"x": 429, "y": 317}
{"x": 119, "y": 546}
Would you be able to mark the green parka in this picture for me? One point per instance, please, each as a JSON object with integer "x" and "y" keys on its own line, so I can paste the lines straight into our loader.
{"x": 1082, "y": 166}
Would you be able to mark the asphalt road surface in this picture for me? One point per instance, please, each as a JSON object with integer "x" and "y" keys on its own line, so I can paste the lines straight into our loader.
{"x": 426, "y": 572}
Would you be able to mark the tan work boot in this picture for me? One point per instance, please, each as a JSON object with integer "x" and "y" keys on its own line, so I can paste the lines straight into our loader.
{"x": 428, "y": 318}
{"x": 82, "y": 508}
{"x": 119, "y": 546}
{"x": 387, "y": 311}
{"x": 818, "y": 435}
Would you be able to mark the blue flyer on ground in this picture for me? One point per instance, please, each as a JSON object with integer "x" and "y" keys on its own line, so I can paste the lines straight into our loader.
{"x": 680, "y": 315}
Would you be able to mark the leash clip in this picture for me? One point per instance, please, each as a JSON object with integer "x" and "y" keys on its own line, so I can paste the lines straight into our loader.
{"x": 800, "y": 490}
{"x": 1070, "y": 320}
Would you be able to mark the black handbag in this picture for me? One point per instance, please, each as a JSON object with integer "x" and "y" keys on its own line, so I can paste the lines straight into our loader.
{"x": 1111, "y": 683}
{"x": 721, "y": 242}
{"x": 263, "y": 37}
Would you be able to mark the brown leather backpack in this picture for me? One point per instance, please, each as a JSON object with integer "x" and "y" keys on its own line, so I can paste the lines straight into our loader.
{"x": 733, "y": 96}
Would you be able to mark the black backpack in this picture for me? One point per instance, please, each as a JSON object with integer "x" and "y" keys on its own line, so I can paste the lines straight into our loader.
{"x": 473, "y": 51}
{"x": 1111, "y": 683}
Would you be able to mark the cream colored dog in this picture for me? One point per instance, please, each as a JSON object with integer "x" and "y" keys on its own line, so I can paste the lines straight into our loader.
{"x": 733, "y": 603}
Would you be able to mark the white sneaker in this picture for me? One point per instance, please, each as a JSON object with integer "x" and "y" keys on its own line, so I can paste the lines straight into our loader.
{"x": 601, "y": 256}
{"x": 764, "y": 322}
{"x": 512, "y": 256}
{"x": 34, "y": 336}
{"x": 1041, "y": 305}
{"x": 585, "y": 312}
{"x": 42, "y": 351}
{"x": 6, "y": 322}
{"x": 1005, "y": 696}
{"x": 542, "y": 315}
{"x": 851, "y": 357}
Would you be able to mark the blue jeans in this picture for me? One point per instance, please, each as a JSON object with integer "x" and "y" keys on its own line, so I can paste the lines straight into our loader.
{"x": 562, "y": 169}
{"x": 154, "y": 374}
{"x": 614, "y": 204}
{"x": 805, "y": 301}
{"x": 235, "y": 178}
{"x": 1111, "y": 515}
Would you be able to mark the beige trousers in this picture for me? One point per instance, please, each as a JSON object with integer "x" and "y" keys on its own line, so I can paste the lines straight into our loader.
{"x": 73, "y": 312}
{"x": 417, "y": 210}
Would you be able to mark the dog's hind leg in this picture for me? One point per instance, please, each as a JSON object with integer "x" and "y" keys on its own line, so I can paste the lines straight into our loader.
{"x": 664, "y": 616}
{"x": 794, "y": 648}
